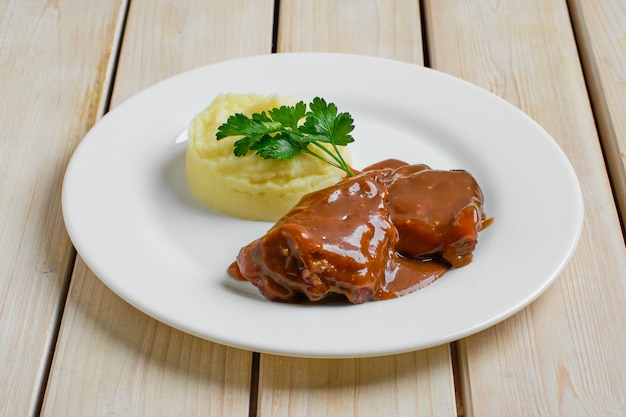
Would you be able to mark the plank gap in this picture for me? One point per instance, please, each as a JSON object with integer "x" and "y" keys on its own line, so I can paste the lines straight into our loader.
{"x": 40, "y": 390}
{"x": 461, "y": 379}
{"x": 275, "y": 26}
{"x": 105, "y": 105}
{"x": 456, "y": 378}
{"x": 425, "y": 50}
{"x": 254, "y": 384}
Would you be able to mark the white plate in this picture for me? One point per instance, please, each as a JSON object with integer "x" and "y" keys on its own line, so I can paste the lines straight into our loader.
{"x": 129, "y": 212}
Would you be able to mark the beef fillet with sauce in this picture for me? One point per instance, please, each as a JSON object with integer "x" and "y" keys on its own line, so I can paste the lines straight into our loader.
{"x": 386, "y": 232}
{"x": 436, "y": 213}
{"x": 337, "y": 240}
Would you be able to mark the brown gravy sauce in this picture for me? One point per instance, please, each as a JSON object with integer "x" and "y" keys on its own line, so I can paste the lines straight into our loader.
{"x": 391, "y": 230}
{"x": 410, "y": 275}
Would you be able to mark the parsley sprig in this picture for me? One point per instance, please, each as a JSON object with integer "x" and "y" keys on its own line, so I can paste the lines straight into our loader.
{"x": 278, "y": 133}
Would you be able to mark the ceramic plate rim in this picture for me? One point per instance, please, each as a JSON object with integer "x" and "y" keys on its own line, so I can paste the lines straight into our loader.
{"x": 378, "y": 83}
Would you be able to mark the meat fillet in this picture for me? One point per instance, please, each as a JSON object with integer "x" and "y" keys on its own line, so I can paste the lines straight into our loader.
{"x": 394, "y": 221}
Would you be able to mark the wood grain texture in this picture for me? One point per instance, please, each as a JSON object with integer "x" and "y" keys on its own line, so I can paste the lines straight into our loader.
{"x": 144, "y": 367}
{"x": 601, "y": 34}
{"x": 388, "y": 29}
{"x": 418, "y": 383}
{"x": 410, "y": 384}
{"x": 170, "y": 37}
{"x": 563, "y": 355}
{"x": 54, "y": 57}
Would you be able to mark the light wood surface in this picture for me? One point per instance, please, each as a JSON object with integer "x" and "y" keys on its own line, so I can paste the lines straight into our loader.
{"x": 53, "y": 69}
{"x": 113, "y": 360}
{"x": 526, "y": 53}
{"x": 71, "y": 347}
{"x": 601, "y": 34}
{"x": 144, "y": 367}
{"x": 411, "y": 384}
{"x": 389, "y": 30}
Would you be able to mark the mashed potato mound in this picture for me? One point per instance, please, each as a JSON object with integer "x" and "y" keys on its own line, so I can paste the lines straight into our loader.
{"x": 248, "y": 187}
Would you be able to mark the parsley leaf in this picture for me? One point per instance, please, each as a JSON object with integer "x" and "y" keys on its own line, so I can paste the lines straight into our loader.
{"x": 281, "y": 146}
{"x": 324, "y": 122}
{"x": 289, "y": 116}
{"x": 278, "y": 134}
{"x": 253, "y": 129}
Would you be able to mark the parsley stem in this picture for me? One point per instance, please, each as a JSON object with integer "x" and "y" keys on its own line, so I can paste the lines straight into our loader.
{"x": 339, "y": 162}
{"x": 326, "y": 160}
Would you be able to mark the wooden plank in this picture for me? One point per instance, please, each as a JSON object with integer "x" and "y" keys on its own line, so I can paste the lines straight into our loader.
{"x": 111, "y": 358}
{"x": 417, "y": 383}
{"x": 392, "y": 30}
{"x": 601, "y": 34}
{"x": 54, "y": 58}
{"x": 563, "y": 355}
{"x": 410, "y": 384}
{"x": 170, "y": 37}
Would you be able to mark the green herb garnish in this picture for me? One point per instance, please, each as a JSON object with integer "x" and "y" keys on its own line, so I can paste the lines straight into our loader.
{"x": 278, "y": 133}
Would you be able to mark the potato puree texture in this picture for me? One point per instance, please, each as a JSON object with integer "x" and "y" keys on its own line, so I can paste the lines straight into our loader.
{"x": 248, "y": 187}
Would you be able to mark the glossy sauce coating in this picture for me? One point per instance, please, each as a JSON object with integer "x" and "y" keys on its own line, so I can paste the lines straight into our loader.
{"x": 345, "y": 240}
{"x": 436, "y": 213}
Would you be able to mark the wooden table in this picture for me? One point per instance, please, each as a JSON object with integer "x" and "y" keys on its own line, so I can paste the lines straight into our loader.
{"x": 71, "y": 347}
